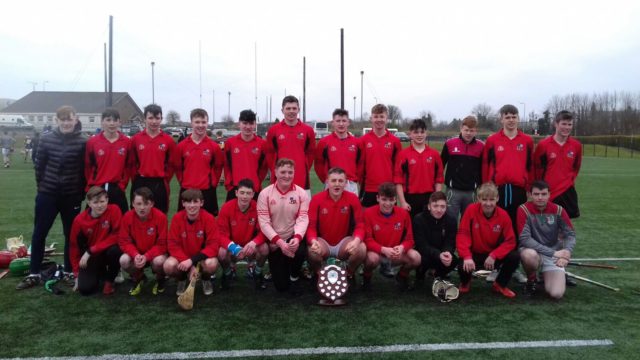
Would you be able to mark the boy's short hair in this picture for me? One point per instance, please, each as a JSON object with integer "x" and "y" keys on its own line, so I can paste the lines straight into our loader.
{"x": 191, "y": 195}
{"x": 418, "y": 124}
{"x": 152, "y": 109}
{"x": 290, "y": 99}
{"x": 387, "y": 189}
{"x": 508, "y": 109}
{"x": 335, "y": 170}
{"x": 65, "y": 111}
{"x": 470, "y": 121}
{"x": 437, "y": 196}
{"x": 563, "y": 115}
{"x": 198, "y": 113}
{"x": 379, "y": 109}
{"x": 247, "y": 116}
{"x": 284, "y": 162}
{"x": 340, "y": 112}
{"x": 486, "y": 190}
{"x": 96, "y": 192}
{"x": 145, "y": 193}
{"x": 111, "y": 113}
{"x": 540, "y": 185}
{"x": 247, "y": 183}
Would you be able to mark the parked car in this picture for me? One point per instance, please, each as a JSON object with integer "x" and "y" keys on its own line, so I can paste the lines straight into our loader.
{"x": 402, "y": 136}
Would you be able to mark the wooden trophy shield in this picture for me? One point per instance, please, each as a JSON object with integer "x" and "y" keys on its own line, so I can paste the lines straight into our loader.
{"x": 332, "y": 285}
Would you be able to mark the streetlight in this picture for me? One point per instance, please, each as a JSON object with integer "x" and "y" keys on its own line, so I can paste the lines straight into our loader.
{"x": 229, "y": 108}
{"x": 354, "y": 108}
{"x": 153, "y": 84}
{"x": 524, "y": 110}
{"x": 361, "y": 92}
{"x": 43, "y": 84}
{"x": 33, "y": 83}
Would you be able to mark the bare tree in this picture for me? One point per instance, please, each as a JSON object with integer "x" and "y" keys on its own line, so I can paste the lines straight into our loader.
{"x": 487, "y": 118}
{"x": 395, "y": 114}
{"x": 173, "y": 117}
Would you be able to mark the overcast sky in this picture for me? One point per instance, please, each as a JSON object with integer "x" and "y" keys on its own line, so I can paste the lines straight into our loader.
{"x": 444, "y": 57}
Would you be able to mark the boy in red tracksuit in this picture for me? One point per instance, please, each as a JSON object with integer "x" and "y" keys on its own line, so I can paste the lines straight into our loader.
{"x": 245, "y": 156}
{"x": 292, "y": 139}
{"x": 507, "y": 161}
{"x": 557, "y": 161}
{"x": 94, "y": 250}
{"x": 336, "y": 225}
{"x": 106, "y": 159}
{"x": 379, "y": 151}
{"x": 389, "y": 238}
{"x": 485, "y": 236}
{"x": 240, "y": 236}
{"x": 418, "y": 171}
{"x": 152, "y": 158}
{"x": 339, "y": 149}
{"x": 143, "y": 241}
{"x": 199, "y": 162}
{"x": 192, "y": 239}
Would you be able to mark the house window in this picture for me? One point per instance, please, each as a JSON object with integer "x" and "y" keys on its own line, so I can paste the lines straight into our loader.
{"x": 40, "y": 118}
{"x": 32, "y": 118}
{"x": 92, "y": 119}
{"x": 49, "y": 118}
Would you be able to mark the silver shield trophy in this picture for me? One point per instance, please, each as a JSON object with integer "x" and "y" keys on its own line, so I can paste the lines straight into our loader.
{"x": 332, "y": 285}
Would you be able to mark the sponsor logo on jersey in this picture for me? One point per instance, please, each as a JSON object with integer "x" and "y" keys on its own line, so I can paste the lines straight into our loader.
{"x": 151, "y": 230}
{"x": 412, "y": 162}
{"x": 206, "y": 152}
{"x": 376, "y": 227}
{"x": 100, "y": 152}
{"x": 500, "y": 148}
{"x": 300, "y": 136}
{"x": 387, "y": 145}
{"x": 344, "y": 210}
{"x": 141, "y": 147}
{"x": 456, "y": 150}
{"x": 551, "y": 219}
{"x": 352, "y": 147}
{"x": 429, "y": 159}
{"x": 570, "y": 154}
{"x": 254, "y": 151}
{"x": 552, "y": 155}
{"x": 236, "y": 150}
{"x": 333, "y": 148}
{"x": 369, "y": 145}
{"x": 324, "y": 211}
{"x": 281, "y": 137}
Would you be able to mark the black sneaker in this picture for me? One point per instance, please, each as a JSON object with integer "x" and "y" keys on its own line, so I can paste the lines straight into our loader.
{"x": 28, "y": 282}
{"x": 570, "y": 281}
{"x": 403, "y": 283}
{"x": 366, "y": 284}
{"x": 225, "y": 281}
{"x": 258, "y": 281}
{"x": 530, "y": 288}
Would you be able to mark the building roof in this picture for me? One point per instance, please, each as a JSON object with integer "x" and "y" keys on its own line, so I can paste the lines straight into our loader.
{"x": 50, "y": 101}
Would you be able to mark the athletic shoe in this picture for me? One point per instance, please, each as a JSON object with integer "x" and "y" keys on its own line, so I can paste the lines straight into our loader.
{"x": 530, "y": 288}
{"x": 28, "y": 282}
{"x": 69, "y": 279}
{"x": 267, "y": 276}
{"x": 181, "y": 287}
{"x": 386, "y": 270}
{"x": 505, "y": 291}
{"x": 207, "y": 287}
{"x": 120, "y": 278}
{"x": 258, "y": 281}
{"x": 366, "y": 284}
{"x": 520, "y": 277}
{"x": 225, "y": 281}
{"x": 108, "y": 288}
{"x": 158, "y": 287}
{"x": 137, "y": 288}
{"x": 464, "y": 288}
{"x": 403, "y": 283}
{"x": 570, "y": 281}
{"x": 492, "y": 276}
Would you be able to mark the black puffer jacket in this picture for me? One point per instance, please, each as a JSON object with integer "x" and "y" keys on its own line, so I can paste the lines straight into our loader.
{"x": 60, "y": 163}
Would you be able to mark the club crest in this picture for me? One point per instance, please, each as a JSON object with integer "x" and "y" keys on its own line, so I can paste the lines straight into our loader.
{"x": 497, "y": 228}
{"x": 292, "y": 200}
{"x": 162, "y": 147}
{"x": 150, "y": 230}
{"x": 200, "y": 234}
{"x": 121, "y": 151}
{"x": 551, "y": 219}
{"x": 570, "y": 155}
{"x": 519, "y": 147}
{"x": 105, "y": 224}
{"x": 397, "y": 226}
{"x": 324, "y": 211}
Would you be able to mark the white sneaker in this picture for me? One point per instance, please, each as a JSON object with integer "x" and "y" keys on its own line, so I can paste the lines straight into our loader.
{"x": 120, "y": 278}
{"x": 520, "y": 277}
{"x": 182, "y": 286}
{"x": 207, "y": 287}
{"x": 492, "y": 277}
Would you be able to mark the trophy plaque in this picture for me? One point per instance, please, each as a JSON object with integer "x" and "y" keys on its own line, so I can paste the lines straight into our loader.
{"x": 332, "y": 285}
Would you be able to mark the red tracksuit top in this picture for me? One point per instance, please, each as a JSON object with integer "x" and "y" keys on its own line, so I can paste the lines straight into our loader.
{"x": 198, "y": 166}
{"x": 186, "y": 240}
{"x": 557, "y": 164}
{"x": 244, "y": 160}
{"x": 99, "y": 233}
{"x": 479, "y": 235}
{"x": 297, "y": 143}
{"x": 335, "y": 152}
{"x": 148, "y": 238}
{"x": 418, "y": 172}
{"x": 379, "y": 155}
{"x": 106, "y": 162}
{"x": 237, "y": 226}
{"x": 508, "y": 161}
{"x": 152, "y": 157}
{"x": 335, "y": 220}
{"x": 387, "y": 231}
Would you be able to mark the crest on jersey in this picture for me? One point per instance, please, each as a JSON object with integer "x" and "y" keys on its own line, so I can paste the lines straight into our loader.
{"x": 300, "y": 136}
{"x": 397, "y": 226}
{"x": 206, "y": 152}
{"x": 281, "y": 137}
{"x": 376, "y": 227}
{"x": 551, "y": 219}
{"x": 121, "y": 151}
{"x": 292, "y": 200}
{"x": 141, "y": 147}
{"x": 456, "y": 150}
{"x": 254, "y": 151}
{"x": 552, "y": 155}
{"x": 150, "y": 230}
{"x": 236, "y": 150}
{"x": 252, "y": 221}
{"x": 105, "y": 224}
{"x": 429, "y": 159}
{"x": 500, "y": 148}
{"x": 570, "y": 154}
{"x": 100, "y": 152}
{"x": 497, "y": 228}
{"x": 519, "y": 147}
{"x": 324, "y": 211}
{"x": 162, "y": 147}
{"x": 344, "y": 209}
{"x": 200, "y": 234}
{"x": 387, "y": 145}
{"x": 352, "y": 148}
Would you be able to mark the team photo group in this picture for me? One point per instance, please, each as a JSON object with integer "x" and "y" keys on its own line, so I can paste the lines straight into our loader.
{"x": 502, "y": 207}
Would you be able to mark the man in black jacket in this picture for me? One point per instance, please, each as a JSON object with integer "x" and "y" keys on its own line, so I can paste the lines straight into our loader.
{"x": 60, "y": 179}
{"x": 434, "y": 232}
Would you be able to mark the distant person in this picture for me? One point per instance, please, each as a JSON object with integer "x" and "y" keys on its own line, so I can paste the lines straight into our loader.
{"x": 389, "y": 238}
{"x": 547, "y": 239}
{"x": 7, "y": 142}
{"x": 557, "y": 161}
{"x": 152, "y": 160}
{"x": 379, "y": 150}
{"x": 283, "y": 216}
{"x": 418, "y": 171}
{"x": 199, "y": 162}
{"x": 143, "y": 241}
{"x": 245, "y": 156}
{"x": 339, "y": 149}
{"x": 486, "y": 240}
{"x": 462, "y": 157}
{"x": 292, "y": 139}
{"x": 34, "y": 142}
{"x": 59, "y": 168}
{"x": 94, "y": 249}
{"x": 107, "y": 157}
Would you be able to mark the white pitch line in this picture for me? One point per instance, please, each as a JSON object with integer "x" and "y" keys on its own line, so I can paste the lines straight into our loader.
{"x": 338, "y": 350}
{"x": 607, "y": 259}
